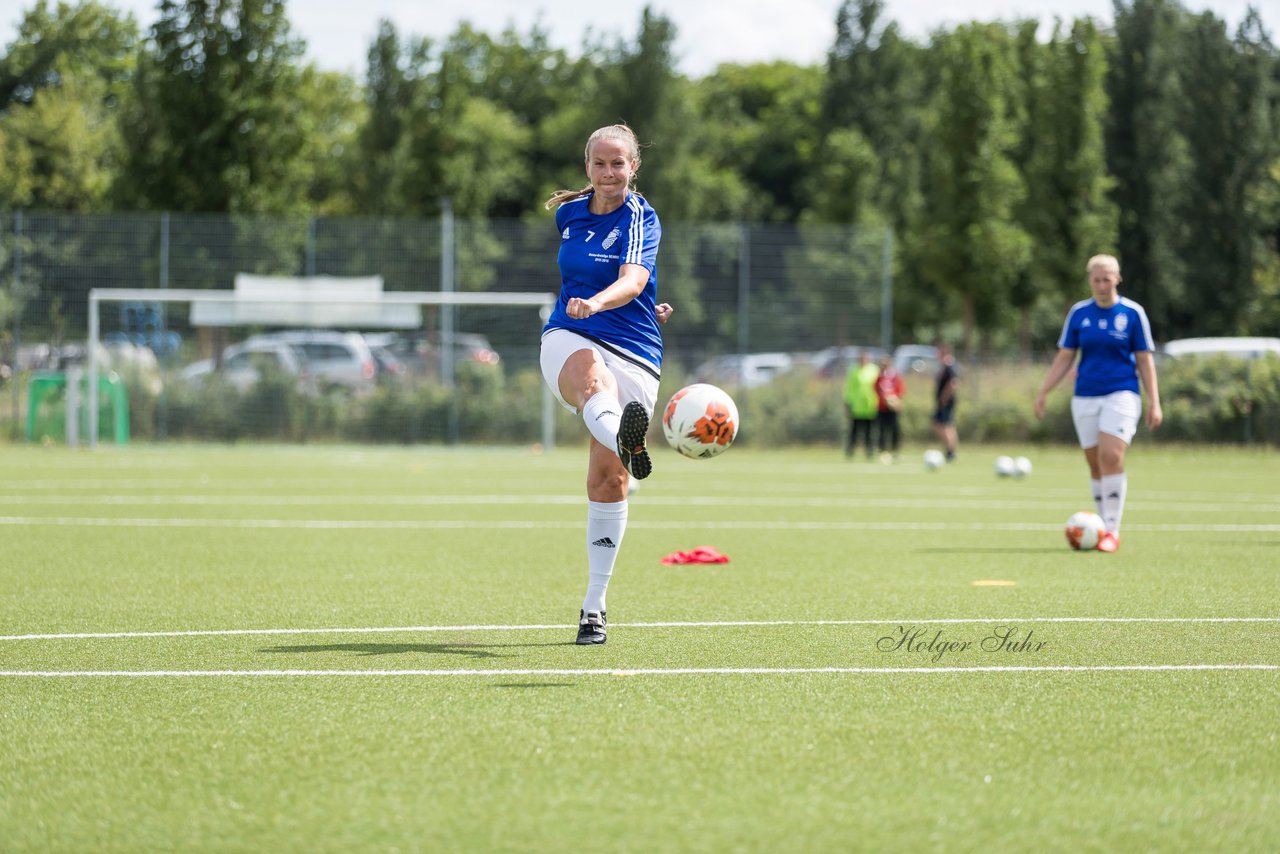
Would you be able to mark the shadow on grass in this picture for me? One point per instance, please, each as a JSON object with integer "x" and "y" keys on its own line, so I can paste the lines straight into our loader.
{"x": 466, "y": 650}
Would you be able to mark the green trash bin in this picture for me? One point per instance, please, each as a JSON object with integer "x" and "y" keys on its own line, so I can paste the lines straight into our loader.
{"x": 47, "y": 407}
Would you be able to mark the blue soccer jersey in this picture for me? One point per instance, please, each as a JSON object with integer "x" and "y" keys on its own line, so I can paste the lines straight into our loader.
{"x": 592, "y": 249}
{"x": 1107, "y": 338}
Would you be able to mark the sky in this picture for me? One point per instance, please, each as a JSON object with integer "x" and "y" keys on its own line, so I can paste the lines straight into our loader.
{"x": 338, "y": 32}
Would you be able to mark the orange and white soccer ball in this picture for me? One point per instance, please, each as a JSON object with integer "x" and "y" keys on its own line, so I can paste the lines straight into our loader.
{"x": 1084, "y": 529}
{"x": 700, "y": 421}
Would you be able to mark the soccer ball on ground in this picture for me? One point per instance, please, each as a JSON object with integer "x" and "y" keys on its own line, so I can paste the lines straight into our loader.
{"x": 1084, "y": 529}
{"x": 933, "y": 459}
{"x": 1021, "y": 467}
{"x": 700, "y": 421}
{"x": 1004, "y": 466}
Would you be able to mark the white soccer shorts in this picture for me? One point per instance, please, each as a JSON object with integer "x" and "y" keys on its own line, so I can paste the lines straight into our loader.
{"x": 1115, "y": 414}
{"x": 634, "y": 382}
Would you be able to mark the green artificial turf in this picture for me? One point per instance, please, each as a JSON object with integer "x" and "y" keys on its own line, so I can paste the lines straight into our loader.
{"x": 371, "y": 649}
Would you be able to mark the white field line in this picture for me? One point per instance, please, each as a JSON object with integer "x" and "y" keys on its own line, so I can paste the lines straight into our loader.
{"x": 540, "y": 524}
{"x": 819, "y": 502}
{"x": 658, "y": 625}
{"x": 674, "y": 671}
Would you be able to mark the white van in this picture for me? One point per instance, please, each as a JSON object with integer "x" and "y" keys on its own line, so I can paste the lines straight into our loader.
{"x": 1240, "y": 348}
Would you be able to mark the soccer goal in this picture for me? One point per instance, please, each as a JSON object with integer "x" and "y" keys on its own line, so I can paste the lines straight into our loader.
{"x": 325, "y": 334}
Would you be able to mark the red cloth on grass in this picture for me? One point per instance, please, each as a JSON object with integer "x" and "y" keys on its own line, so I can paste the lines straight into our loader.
{"x": 702, "y": 554}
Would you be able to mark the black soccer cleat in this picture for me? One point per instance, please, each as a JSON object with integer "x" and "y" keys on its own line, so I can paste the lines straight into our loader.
{"x": 591, "y": 627}
{"x": 631, "y": 438}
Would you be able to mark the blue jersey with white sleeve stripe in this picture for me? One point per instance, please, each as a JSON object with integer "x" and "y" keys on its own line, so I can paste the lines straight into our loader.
{"x": 1107, "y": 338}
{"x": 592, "y": 250}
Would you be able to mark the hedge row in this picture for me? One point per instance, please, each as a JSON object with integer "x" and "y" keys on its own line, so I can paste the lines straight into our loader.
{"x": 1205, "y": 400}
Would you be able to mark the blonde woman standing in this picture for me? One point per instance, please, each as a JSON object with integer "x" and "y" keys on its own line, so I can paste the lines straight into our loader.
{"x": 1113, "y": 337}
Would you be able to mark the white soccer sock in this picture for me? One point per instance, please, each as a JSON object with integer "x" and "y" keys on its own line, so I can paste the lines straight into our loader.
{"x": 603, "y": 416}
{"x": 1114, "y": 487}
{"x": 1095, "y": 489}
{"x": 606, "y": 523}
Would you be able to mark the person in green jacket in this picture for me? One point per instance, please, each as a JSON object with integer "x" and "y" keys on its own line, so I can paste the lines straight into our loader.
{"x": 863, "y": 403}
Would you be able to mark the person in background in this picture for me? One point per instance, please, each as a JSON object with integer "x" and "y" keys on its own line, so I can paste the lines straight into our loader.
{"x": 890, "y": 389}
{"x": 1113, "y": 337}
{"x": 601, "y": 352}
{"x": 944, "y": 411}
{"x": 860, "y": 397}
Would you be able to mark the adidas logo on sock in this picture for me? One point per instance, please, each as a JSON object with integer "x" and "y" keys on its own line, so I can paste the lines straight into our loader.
{"x": 604, "y": 543}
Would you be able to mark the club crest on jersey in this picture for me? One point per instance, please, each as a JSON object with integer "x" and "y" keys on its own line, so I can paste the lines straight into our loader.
{"x": 610, "y": 239}
{"x": 1122, "y": 323}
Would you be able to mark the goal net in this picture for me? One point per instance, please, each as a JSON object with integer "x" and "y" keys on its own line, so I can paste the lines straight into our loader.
{"x": 319, "y": 359}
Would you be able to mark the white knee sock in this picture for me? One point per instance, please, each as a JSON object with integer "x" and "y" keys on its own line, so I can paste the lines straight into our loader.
{"x": 603, "y": 416}
{"x": 1114, "y": 487}
{"x": 606, "y": 523}
{"x": 1095, "y": 489}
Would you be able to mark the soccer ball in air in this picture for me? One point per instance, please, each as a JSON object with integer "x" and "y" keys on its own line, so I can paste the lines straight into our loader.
{"x": 934, "y": 460}
{"x": 700, "y": 421}
{"x": 1004, "y": 466}
{"x": 1083, "y": 530}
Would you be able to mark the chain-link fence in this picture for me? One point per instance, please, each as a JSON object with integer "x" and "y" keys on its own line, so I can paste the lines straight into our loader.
{"x": 775, "y": 313}
{"x": 780, "y": 294}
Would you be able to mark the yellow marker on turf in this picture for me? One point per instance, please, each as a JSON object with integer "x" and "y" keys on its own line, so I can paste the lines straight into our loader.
{"x": 993, "y": 582}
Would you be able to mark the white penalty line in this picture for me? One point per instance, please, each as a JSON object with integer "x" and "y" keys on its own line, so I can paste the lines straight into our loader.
{"x": 696, "y": 624}
{"x": 648, "y": 671}
{"x": 531, "y": 524}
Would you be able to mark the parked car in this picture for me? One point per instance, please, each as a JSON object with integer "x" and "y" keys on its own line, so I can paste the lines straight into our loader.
{"x": 836, "y": 361}
{"x": 744, "y": 370}
{"x": 1241, "y": 348}
{"x": 916, "y": 359}
{"x": 331, "y": 358}
{"x": 420, "y": 352}
{"x": 242, "y": 365}
{"x": 390, "y": 366}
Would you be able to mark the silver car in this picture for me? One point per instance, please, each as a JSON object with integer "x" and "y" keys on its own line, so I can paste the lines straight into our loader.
{"x": 331, "y": 358}
{"x": 242, "y": 364}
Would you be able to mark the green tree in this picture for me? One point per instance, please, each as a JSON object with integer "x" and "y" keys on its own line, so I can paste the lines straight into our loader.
{"x": 1230, "y": 122}
{"x": 1062, "y": 155}
{"x": 332, "y": 111}
{"x": 873, "y": 85}
{"x": 760, "y": 125}
{"x": 382, "y": 141}
{"x": 1146, "y": 154}
{"x": 61, "y": 84}
{"x": 217, "y": 126}
{"x": 969, "y": 241}
{"x": 83, "y": 40}
{"x": 62, "y": 150}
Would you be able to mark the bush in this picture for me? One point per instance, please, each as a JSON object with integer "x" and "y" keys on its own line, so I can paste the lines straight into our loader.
{"x": 1205, "y": 400}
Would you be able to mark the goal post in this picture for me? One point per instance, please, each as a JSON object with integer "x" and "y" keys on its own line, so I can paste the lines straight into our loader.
{"x": 332, "y": 310}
